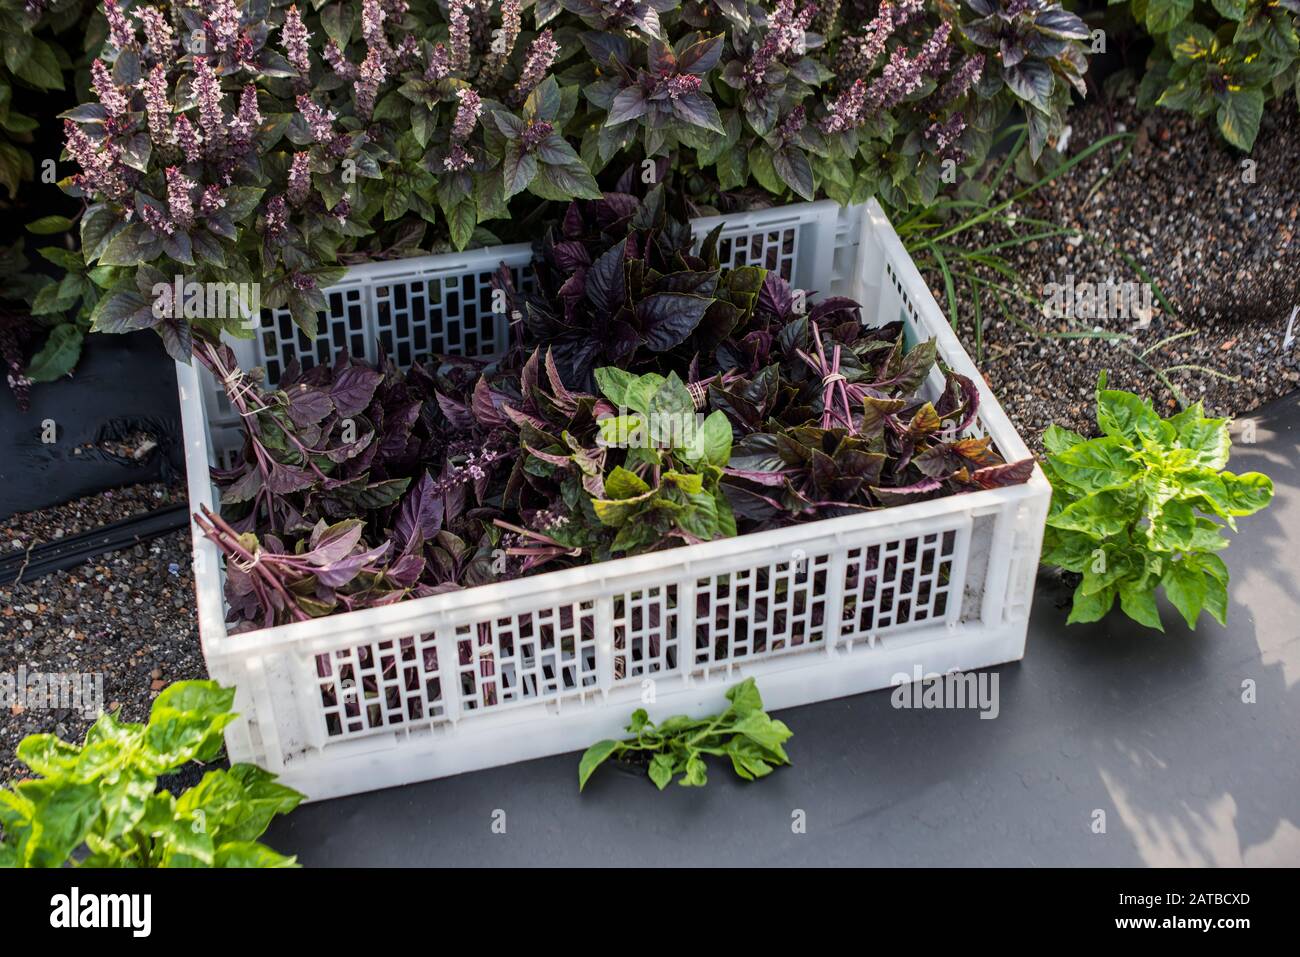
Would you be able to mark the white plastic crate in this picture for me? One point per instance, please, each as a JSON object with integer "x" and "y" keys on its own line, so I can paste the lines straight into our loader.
{"x": 550, "y": 663}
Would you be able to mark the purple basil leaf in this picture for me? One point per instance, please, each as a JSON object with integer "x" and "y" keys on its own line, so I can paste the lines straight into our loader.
{"x": 1011, "y": 50}
{"x": 614, "y": 210}
{"x": 486, "y": 405}
{"x": 338, "y": 574}
{"x": 333, "y": 543}
{"x": 938, "y": 461}
{"x": 698, "y": 283}
{"x": 911, "y": 370}
{"x": 750, "y": 504}
{"x": 571, "y": 225}
{"x": 564, "y": 461}
{"x": 420, "y": 513}
{"x": 398, "y": 424}
{"x": 839, "y": 308}
{"x": 998, "y": 476}
{"x": 660, "y": 58}
{"x": 457, "y": 413}
{"x": 521, "y": 418}
{"x": 698, "y": 110}
{"x": 244, "y": 488}
{"x": 286, "y": 478}
{"x": 1031, "y": 80}
{"x": 792, "y": 166}
{"x": 667, "y": 318}
{"x": 178, "y": 339}
{"x": 342, "y": 453}
{"x": 702, "y": 56}
{"x": 857, "y": 468}
{"x": 405, "y": 571}
{"x": 629, "y": 104}
{"x": 291, "y": 374}
{"x": 353, "y": 388}
{"x": 918, "y": 492}
{"x": 573, "y": 292}
{"x": 757, "y": 452}
{"x": 601, "y": 46}
{"x": 959, "y": 396}
{"x": 569, "y": 255}
{"x": 943, "y": 459}
{"x": 1062, "y": 23}
{"x": 775, "y": 299}
{"x": 775, "y": 478}
{"x": 605, "y": 280}
{"x": 566, "y": 400}
{"x": 307, "y": 406}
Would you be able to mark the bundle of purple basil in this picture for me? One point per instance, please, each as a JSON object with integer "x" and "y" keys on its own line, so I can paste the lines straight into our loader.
{"x": 359, "y": 487}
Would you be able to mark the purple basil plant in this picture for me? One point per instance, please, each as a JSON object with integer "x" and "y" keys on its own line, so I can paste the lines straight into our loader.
{"x": 267, "y": 143}
{"x": 357, "y": 487}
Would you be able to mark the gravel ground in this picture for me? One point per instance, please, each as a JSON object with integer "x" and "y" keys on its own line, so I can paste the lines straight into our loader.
{"x": 28, "y": 529}
{"x": 127, "y": 617}
{"x": 1221, "y": 248}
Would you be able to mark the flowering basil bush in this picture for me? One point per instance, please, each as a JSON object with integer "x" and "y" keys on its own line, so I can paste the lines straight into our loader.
{"x": 807, "y": 100}
{"x": 250, "y": 140}
{"x": 1039, "y": 57}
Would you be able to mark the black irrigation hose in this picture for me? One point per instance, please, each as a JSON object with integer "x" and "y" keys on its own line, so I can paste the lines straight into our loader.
{"x": 69, "y": 552}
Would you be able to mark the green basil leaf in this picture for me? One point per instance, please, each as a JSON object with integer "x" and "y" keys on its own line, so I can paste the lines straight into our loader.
{"x": 1248, "y": 492}
{"x": 1097, "y": 464}
{"x": 662, "y": 767}
{"x": 1185, "y": 588}
{"x": 49, "y": 225}
{"x": 1240, "y": 112}
{"x": 1056, "y": 439}
{"x": 1092, "y": 607}
{"x": 1124, "y": 414}
{"x": 621, "y": 484}
{"x": 250, "y": 854}
{"x": 1162, "y": 15}
{"x": 1138, "y": 602}
{"x": 594, "y": 757}
{"x": 1098, "y": 515}
{"x": 62, "y": 815}
{"x": 58, "y": 356}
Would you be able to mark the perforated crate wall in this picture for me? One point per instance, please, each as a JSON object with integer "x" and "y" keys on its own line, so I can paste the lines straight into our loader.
{"x": 770, "y": 609}
{"x": 813, "y": 602}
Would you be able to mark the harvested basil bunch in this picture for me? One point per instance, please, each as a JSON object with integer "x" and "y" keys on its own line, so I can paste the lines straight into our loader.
{"x": 650, "y": 397}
